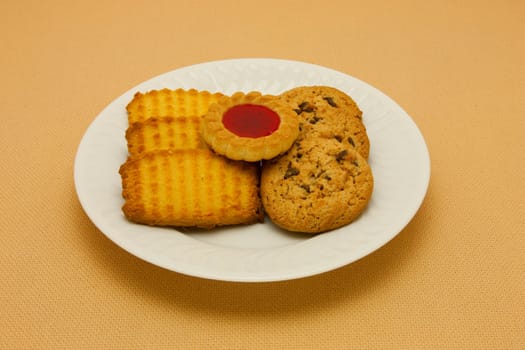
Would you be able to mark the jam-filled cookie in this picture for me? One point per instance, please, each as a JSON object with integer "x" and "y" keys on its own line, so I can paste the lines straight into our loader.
{"x": 250, "y": 127}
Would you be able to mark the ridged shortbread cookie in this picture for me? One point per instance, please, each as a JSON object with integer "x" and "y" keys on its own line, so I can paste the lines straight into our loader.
{"x": 330, "y": 113}
{"x": 192, "y": 187}
{"x": 171, "y": 177}
{"x": 165, "y": 133}
{"x": 320, "y": 184}
{"x": 172, "y": 103}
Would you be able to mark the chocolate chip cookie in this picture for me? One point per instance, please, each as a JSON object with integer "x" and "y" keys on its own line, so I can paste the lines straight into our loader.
{"x": 320, "y": 184}
{"x": 330, "y": 113}
{"x": 323, "y": 181}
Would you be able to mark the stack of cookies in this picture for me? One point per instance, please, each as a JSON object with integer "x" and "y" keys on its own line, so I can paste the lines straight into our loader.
{"x": 324, "y": 181}
{"x": 171, "y": 177}
{"x": 204, "y": 160}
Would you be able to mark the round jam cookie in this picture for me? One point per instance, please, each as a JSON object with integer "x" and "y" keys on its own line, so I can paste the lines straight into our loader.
{"x": 320, "y": 184}
{"x": 324, "y": 109}
{"x": 250, "y": 127}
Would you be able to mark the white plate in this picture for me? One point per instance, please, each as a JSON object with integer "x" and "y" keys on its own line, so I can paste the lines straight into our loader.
{"x": 260, "y": 252}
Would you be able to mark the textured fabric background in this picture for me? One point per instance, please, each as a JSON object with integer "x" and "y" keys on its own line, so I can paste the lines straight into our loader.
{"x": 453, "y": 279}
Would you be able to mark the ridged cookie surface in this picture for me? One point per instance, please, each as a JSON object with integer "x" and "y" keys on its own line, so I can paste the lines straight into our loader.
{"x": 173, "y": 103}
{"x": 329, "y": 113}
{"x": 320, "y": 184}
{"x": 190, "y": 188}
{"x": 164, "y": 133}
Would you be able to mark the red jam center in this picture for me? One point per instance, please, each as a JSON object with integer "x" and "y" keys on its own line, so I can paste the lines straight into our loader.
{"x": 249, "y": 120}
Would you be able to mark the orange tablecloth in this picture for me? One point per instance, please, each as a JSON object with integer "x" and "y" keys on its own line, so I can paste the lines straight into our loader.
{"x": 453, "y": 278}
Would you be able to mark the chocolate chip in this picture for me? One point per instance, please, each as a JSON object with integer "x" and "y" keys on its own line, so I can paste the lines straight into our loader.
{"x": 291, "y": 171}
{"x": 330, "y": 101}
{"x": 304, "y": 107}
{"x": 341, "y": 155}
{"x": 306, "y": 188}
{"x": 314, "y": 119}
{"x": 338, "y": 138}
{"x": 351, "y": 141}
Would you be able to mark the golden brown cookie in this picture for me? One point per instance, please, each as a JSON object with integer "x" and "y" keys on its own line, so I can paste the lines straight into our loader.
{"x": 331, "y": 113}
{"x": 173, "y": 103}
{"x": 250, "y": 127}
{"x": 194, "y": 188}
{"x": 165, "y": 133}
{"x": 320, "y": 184}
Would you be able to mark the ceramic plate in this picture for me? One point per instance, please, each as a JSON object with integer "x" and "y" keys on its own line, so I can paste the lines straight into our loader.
{"x": 260, "y": 252}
